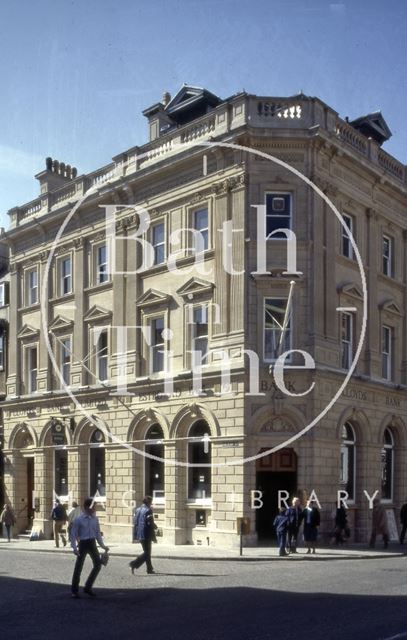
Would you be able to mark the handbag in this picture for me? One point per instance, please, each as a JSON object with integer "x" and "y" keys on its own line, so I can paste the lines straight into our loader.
{"x": 104, "y": 558}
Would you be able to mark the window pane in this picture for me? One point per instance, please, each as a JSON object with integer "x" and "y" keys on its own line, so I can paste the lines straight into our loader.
{"x": 200, "y": 336}
{"x": 274, "y": 315}
{"x": 97, "y": 471}
{"x": 61, "y": 472}
{"x": 32, "y": 287}
{"x": 2, "y": 342}
{"x": 199, "y": 452}
{"x": 347, "y": 339}
{"x": 347, "y": 249}
{"x": 159, "y": 243}
{"x": 387, "y": 472}
{"x": 66, "y": 359}
{"x": 154, "y": 481}
{"x": 102, "y": 356}
{"x": 278, "y": 213}
{"x": 66, "y": 276}
{"x": 32, "y": 370}
{"x": 157, "y": 345}
{"x": 201, "y": 225}
{"x": 102, "y": 274}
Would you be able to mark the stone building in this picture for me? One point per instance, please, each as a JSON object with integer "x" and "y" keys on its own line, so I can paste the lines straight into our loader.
{"x": 92, "y": 408}
{"x": 4, "y": 307}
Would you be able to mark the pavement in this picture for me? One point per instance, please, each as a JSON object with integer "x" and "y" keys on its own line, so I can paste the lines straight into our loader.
{"x": 197, "y": 552}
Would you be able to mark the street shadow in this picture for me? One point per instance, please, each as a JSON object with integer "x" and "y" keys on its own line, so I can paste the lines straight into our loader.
{"x": 186, "y": 575}
{"x": 38, "y": 610}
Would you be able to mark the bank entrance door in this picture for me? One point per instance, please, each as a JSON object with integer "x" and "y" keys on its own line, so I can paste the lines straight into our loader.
{"x": 277, "y": 471}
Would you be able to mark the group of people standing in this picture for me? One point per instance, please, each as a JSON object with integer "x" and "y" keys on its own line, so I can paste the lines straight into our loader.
{"x": 287, "y": 526}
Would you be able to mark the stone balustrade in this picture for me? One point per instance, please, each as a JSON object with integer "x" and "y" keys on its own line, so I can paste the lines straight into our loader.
{"x": 346, "y": 133}
{"x": 299, "y": 112}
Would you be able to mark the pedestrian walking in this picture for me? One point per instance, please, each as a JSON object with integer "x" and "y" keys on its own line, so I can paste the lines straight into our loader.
{"x": 341, "y": 531}
{"x": 73, "y": 513}
{"x": 8, "y": 519}
{"x": 280, "y": 524}
{"x": 403, "y": 520}
{"x": 312, "y": 520}
{"x": 144, "y": 532}
{"x": 58, "y": 516}
{"x": 294, "y": 520}
{"x": 379, "y": 524}
{"x": 85, "y": 532}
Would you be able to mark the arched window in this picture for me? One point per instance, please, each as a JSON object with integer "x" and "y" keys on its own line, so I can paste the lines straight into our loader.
{"x": 97, "y": 465}
{"x": 387, "y": 459}
{"x": 154, "y": 469}
{"x": 58, "y": 439}
{"x": 199, "y": 453}
{"x": 348, "y": 460}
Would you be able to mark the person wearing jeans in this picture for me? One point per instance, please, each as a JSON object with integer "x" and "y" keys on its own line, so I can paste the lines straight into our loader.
{"x": 144, "y": 533}
{"x": 85, "y": 532}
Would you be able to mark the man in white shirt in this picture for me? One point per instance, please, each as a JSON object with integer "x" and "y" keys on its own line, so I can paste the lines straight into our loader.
{"x": 85, "y": 529}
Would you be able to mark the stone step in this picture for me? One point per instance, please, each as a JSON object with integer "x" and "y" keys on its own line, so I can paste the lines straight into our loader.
{"x": 26, "y": 535}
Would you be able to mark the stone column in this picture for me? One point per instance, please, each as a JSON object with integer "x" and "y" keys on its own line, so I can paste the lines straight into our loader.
{"x": 43, "y": 487}
{"x": 45, "y": 368}
{"x": 14, "y": 345}
{"x": 175, "y": 494}
{"x": 373, "y": 348}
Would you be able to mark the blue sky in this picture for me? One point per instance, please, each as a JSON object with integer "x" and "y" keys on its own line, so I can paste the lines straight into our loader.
{"x": 77, "y": 74}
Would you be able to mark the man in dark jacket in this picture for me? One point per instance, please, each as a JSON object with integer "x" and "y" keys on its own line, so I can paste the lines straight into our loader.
{"x": 280, "y": 524}
{"x": 58, "y": 517}
{"x": 294, "y": 520}
{"x": 144, "y": 533}
{"x": 403, "y": 520}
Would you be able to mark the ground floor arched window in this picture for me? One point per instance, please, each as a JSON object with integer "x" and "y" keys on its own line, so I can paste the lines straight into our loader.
{"x": 348, "y": 460}
{"x": 387, "y": 465}
{"x": 97, "y": 468}
{"x": 199, "y": 453}
{"x": 154, "y": 469}
{"x": 61, "y": 473}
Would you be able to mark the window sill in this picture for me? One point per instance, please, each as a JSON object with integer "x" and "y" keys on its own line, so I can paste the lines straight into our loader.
{"x": 201, "y": 503}
{"x": 30, "y": 307}
{"x": 181, "y": 261}
{"x": 62, "y": 297}
{"x": 98, "y": 286}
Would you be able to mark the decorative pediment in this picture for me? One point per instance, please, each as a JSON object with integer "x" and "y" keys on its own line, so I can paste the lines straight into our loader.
{"x": 195, "y": 287}
{"x": 391, "y": 306}
{"x": 351, "y": 289}
{"x": 189, "y": 97}
{"x": 27, "y": 331}
{"x": 153, "y": 297}
{"x": 96, "y": 314}
{"x": 373, "y": 125}
{"x": 60, "y": 324}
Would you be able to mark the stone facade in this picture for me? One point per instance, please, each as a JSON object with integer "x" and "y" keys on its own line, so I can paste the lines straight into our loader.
{"x": 94, "y": 441}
